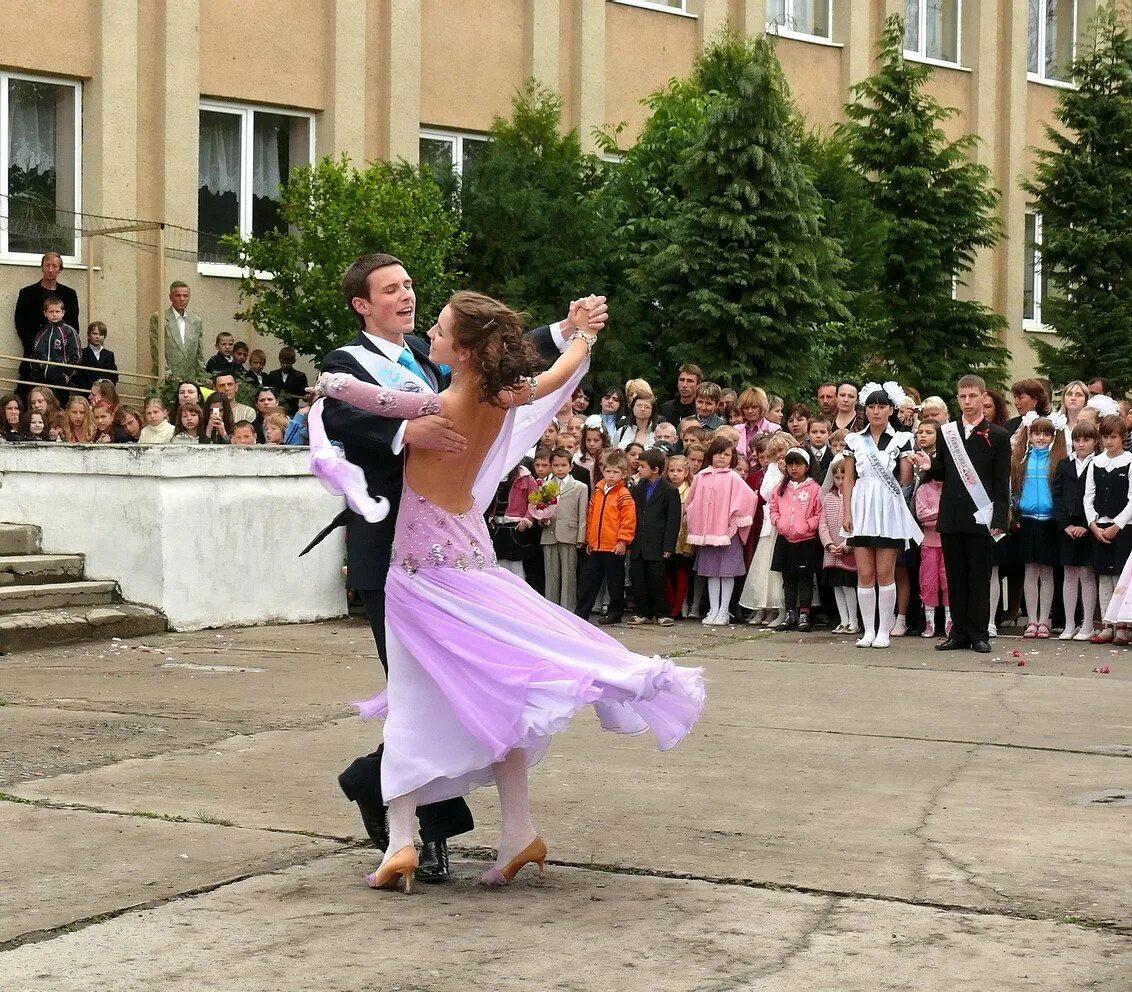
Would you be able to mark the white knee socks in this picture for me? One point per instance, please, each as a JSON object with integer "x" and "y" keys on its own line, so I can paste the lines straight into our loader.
{"x": 886, "y": 600}
{"x": 867, "y": 597}
{"x": 517, "y": 827}
{"x": 842, "y": 604}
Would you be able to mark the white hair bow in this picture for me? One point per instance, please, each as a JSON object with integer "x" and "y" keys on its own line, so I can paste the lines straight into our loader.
{"x": 593, "y": 420}
{"x": 1029, "y": 418}
{"x": 1105, "y": 406}
{"x": 895, "y": 393}
{"x": 869, "y": 388}
{"x": 1057, "y": 418}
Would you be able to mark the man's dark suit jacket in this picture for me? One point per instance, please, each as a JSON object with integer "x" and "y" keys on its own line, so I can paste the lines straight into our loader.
{"x": 366, "y": 440}
{"x": 989, "y": 450}
{"x": 104, "y": 362}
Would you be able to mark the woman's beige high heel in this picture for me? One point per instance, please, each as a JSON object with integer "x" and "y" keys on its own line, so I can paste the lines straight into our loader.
{"x": 403, "y": 866}
{"x": 534, "y": 853}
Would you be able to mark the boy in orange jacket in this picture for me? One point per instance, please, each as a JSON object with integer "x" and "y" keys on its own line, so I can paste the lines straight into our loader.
{"x": 611, "y": 526}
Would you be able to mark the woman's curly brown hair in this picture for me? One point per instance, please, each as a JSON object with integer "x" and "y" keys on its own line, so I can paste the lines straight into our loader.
{"x": 496, "y": 336}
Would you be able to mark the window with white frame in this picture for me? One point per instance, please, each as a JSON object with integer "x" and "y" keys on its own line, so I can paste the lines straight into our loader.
{"x": 450, "y": 151}
{"x": 40, "y": 166}
{"x": 246, "y": 154}
{"x": 1037, "y": 288}
{"x": 1053, "y": 39}
{"x": 805, "y": 17}
{"x": 933, "y": 29}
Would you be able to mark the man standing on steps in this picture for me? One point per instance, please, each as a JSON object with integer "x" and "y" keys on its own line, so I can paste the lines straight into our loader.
{"x": 973, "y": 463}
{"x": 379, "y": 290}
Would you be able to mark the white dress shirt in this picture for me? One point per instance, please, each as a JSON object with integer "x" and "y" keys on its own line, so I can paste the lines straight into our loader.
{"x": 180, "y": 318}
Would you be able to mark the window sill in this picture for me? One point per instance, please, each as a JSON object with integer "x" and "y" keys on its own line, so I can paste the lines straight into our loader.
{"x": 1036, "y": 327}
{"x": 661, "y": 7}
{"x": 937, "y": 63}
{"x": 1057, "y": 84}
{"x": 220, "y": 270}
{"x": 810, "y": 39}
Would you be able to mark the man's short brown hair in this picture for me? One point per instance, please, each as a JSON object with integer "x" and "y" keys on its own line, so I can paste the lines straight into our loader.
{"x": 971, "y": 381}
{"x": 690, "y": 369}
{"x": 355, "y": 281}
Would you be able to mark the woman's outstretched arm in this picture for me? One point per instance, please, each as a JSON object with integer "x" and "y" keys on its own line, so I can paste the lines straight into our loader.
{"x": 392, "y": 403}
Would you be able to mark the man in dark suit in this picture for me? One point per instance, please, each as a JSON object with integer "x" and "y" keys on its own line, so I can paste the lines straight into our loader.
{"x": 98, "y": 361}
{"x": 658, "y": 526}
{"x": 968, "y": 544}
{"x": 29, "y": 308}
{"x": 380, "y": 291}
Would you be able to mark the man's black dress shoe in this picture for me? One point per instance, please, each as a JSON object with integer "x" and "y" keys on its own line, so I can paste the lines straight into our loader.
{"x": 983, "y": 647}
{"x": 953, "y": 644}
{"x": 434, "y": 866}
{"x": 374, "y": 822}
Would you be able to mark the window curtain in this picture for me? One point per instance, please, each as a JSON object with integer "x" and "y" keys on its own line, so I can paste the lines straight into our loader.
{"x": 31, "y": 126}
{"x": 776, "y": 13}
{"x": 266, "y": 174}
{"x": 1035, "y": 20}
{"x": 912, "y": 25}
{"x": 219, "y": 153}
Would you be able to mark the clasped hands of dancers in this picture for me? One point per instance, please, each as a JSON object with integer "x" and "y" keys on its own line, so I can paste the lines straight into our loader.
{"x": 482, "y": 671}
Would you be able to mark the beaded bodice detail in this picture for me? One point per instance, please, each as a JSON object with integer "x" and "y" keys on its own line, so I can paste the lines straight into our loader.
{"x": 428, "y": 536}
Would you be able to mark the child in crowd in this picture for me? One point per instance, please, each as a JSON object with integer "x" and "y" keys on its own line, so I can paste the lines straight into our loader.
{"x": 57, "y": 341}
{"x": 742, "y": 467}
{"x": 565, "y": 532}
{"x": 80, "y": 423}
{"x": 511, "y": 521}
{"x": 189, "y": 425}
{"x": 678, "y": 569}
{"x": 1108, "y": 509}
{"x": 257, "y": 361}
{"x": 99, "y": 360}
{"x": 240, "y": 355}
{"x": 594, "y": 441}
{"x": 633, "y": 453}
{"x": 58, "y": 429}
{"x": 224, "y": 360}
{"x": 837, "y": 441}
{"x": 131, "y": 422}
{"x": 1034, "y": 463}
{"x": 288, "y": 383}
{"x": 157, "y": 428}
{"x": 275, "y": 426}
{"x": 611, "y": 411}
{"x": 298, "y": 431}
{"x": 1075, "y": 549}
{"x": 104, "y": 391}
{"x": 695, "y": 453}
{"x": 817, "y": 445}
{"x": 795, "y": 511}
{"x": 540, "y": 465}
{"x": 574, "y": 427}
{"x": 611, "y": 525}
{"x": 218, "y": 423}
{"x": 42, "y": 400}
{"x": 839, "y": 567}
{"x": 728, "y": 406}
{"x": 107, "y": 430}
{"x": 34, "y": 426}
{"x": 243, "y": 434}
{"x": 774, "y": 409}
{"x": 665, "y": 435}
{"x": 658, "y": 527}
{"x": 762, "y": 590}
{"x": 798, "y": 422}
{"x": 720, "y": 511}
{"x": 707, "y": 402}
{"x": 933, "y": 576}
{"x": 691, "y": 432}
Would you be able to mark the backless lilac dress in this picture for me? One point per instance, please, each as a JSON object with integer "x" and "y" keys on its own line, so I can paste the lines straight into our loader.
{"x": 479, "y": 663}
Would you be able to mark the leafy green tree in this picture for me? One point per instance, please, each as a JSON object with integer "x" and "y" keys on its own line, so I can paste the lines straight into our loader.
{"x": 334, "y": 214}
{"x": 535, "y": 236}
{"x": 1082, "y": 188}
{"x": 745, "y": 278}
{"x": 940, "y": 211}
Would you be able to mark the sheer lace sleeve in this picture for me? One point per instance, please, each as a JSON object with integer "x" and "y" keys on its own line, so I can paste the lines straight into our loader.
{"x": 384, "y": 402}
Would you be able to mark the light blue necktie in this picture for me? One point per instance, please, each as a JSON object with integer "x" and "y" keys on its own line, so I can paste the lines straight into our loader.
{"x": 409, "y": 361}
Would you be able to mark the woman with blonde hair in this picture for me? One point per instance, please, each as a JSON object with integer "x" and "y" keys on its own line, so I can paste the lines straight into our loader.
{"x": 634, "y": 389}
{"x": 752, "y": 405}
{"x": 80, "y": 421}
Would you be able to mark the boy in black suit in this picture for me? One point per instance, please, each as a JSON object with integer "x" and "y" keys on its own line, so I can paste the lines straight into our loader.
{"x": 658, "y": 526}
{"x": 968, "y": 544}
{"x": 289, "y": 384}
{"x": 817, "y": 444}
{"x": 223, "y": 360}
{"x": 95, "y": 356}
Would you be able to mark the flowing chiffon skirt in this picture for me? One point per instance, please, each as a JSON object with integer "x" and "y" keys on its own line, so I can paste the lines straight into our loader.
{"x": 1120, "y": 607}
{"x": 480, "y": 664}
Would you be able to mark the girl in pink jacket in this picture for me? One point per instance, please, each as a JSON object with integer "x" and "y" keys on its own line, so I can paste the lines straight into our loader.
{"x": 795, "y": 511}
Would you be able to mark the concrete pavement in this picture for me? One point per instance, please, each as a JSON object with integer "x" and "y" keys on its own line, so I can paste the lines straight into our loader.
{"x": 840, "y": 819}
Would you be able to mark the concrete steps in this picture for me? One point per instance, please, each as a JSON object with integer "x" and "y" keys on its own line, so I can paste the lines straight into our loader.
{"x": 46, "y": 600}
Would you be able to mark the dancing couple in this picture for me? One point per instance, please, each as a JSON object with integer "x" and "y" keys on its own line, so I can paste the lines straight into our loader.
{"x": 482, "y": 671}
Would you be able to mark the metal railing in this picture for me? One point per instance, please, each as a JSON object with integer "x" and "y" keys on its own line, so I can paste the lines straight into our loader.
{"x": 124, "y": 392}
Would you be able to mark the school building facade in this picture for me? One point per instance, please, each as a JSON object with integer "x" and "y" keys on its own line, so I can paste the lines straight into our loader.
{"x": 191, "y": 112}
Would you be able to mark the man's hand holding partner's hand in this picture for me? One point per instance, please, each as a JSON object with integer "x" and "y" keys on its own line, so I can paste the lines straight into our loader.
{"x": 435, "y": 433}
{"x": 589, "y": 314}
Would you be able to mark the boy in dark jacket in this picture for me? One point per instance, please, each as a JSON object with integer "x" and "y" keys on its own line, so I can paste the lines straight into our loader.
{"x": 57, "y": 341}
{"x": 658, "y": 526}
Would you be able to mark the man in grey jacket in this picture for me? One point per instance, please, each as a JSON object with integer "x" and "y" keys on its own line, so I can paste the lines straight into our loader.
{"x": 184, "y": 333}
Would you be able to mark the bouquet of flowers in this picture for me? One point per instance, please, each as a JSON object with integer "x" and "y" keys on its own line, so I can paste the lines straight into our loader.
{"x": 544, "y": 500}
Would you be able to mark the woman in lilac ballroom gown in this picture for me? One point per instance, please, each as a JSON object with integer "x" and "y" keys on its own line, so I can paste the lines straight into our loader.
{"x": 482, "y": 670}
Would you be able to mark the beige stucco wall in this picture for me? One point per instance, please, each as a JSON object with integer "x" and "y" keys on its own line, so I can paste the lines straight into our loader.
{"x": 814, "y": 73}
{"x": 59, "y": 37}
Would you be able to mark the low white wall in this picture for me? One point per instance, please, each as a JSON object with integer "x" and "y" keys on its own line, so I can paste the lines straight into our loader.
{"x": 209, "y": 535}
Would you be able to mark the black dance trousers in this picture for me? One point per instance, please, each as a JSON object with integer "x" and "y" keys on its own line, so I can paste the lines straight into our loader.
{"x": 362, "y": 780}
{"x": 968, "y": 559}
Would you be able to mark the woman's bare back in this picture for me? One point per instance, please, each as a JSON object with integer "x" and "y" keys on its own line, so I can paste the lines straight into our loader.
{"x": 445, "y": 477}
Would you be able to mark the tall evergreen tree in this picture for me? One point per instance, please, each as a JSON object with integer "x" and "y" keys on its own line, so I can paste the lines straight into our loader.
{"x": 940, "y": 210}
{"x": 746, "y": 278}
{"x": 1082, "y": 188}
{"x": 535, "y": 235}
